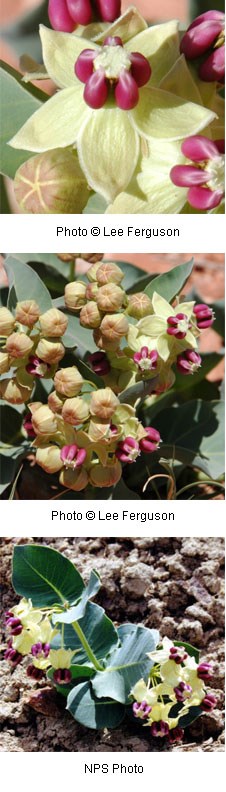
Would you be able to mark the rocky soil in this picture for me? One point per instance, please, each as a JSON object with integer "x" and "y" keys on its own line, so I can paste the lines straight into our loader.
{"x": 173, "y": 584}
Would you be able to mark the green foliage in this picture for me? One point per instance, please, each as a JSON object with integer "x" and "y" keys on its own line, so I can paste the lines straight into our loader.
{"x": 24, "y": 284}
{"x": 171, "y": 283}
{"x": 45, "y": 576}
{"x": 18, "y": 102}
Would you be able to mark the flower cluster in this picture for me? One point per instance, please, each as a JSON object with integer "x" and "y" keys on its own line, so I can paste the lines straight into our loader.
{"x": 175, "y": 685}
{"x": 32, "y": 348}
{"x": 87, "y": 435}
{"x": 163, "y": 336}
{"x": 30, "y": 632}
{"x": 204, "y": 40}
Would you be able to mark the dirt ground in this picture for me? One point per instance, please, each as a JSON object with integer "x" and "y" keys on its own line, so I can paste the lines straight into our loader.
{"x": 174, "y": 584}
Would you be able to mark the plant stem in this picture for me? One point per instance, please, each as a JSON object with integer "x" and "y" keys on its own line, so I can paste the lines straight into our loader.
{"x": 199, "y": 484}
{"x": 86, "y": 646}
{"x": 71, "y": 276}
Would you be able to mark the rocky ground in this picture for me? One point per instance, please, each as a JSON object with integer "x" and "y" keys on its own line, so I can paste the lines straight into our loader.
{"x": 174, "y": 584}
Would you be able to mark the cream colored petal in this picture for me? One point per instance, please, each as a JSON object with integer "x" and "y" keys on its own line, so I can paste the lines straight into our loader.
{"x": 161, "y": 306}
{"x": 152, "y": 325}
{"x": 179, "y": 81}
{"x": 152, "y": 191}
{"x": 160, "y": 45}
{"x": 108, "y": 151}
{"x": 163, "y": 115}
{"x": 164, "y": 346}
{"x": 56, "y": 124}
{"x": 126, "y": 26}
{"x": 60, "y": 51}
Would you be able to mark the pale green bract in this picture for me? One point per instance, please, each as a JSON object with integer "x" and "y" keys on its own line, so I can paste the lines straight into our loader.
{"x": 109, "y": 141}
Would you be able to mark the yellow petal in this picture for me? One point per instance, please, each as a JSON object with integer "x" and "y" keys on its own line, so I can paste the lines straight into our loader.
{"x": 160, "y": 45}
{"x": 108, "y": 149}
{"x": 163, "y": 115}
{"x": 56, "y": 124}
{"x": 60, "y": 51}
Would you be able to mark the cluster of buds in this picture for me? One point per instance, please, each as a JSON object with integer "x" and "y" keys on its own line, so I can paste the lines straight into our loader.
{"x": 204, "y": 40}
{"x": 175, "y": 679}
{"x": 32, "y": 348}
{"x": 203, "y": 174}
{"x": 65, "y": 15}
{"x": 162, "y": 337}
{"x": 112, "y": 68}
{"x": 30, "y": 634}
{"x": 86, "y": 437}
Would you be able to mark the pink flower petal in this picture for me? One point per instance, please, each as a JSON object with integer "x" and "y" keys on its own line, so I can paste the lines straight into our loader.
{"x": 187, "y": 175}
{"x": 198, "y": 148}
{"x": 203, "y": 198}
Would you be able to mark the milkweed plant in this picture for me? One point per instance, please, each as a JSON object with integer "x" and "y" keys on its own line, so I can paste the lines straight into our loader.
{"x": 104, "y": 672}
{"x": 93, "y": 388}
{"x": 136, "y": 123}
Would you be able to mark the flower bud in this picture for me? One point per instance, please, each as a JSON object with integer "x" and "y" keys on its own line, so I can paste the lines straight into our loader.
{"x": 68, "y": 381}
{"x": 110, "y": 298}
{"x": 75, "y": 411}
{"x": 50, "y": 351}
{"x": 13, "y": 392}
{"x": 44, "y": 421}
{"x": 100, "y": 476}
{"x": 90, "y": 315}
{"x": 27, "y": 312}
{"x": 4, "y": 362}
{"x": 104, "y": 343}
{"x": 51, "y": 183}
{"x": 109, "y": 273}
{"x": 139, "y": 305}
{"x": 18, "y": 345}
{"x": 92, "y": 272}
{"x": 55, "y": 403}
{"x": 7, "y": 322}
{"x": 53, "y": 323}
{"x": 114, "y": 327}
{"x": 75, "y": 295}
{"x": 159, "y": 729}
{"x": 151, "y": 441}
{"x": 103, "y": 403}
{"x": 48, "y": 459}
{"x": 91, "y": 291}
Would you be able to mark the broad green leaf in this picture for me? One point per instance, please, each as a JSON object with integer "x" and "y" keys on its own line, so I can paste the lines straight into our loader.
{"x": 45, "y": 576}
{"x": 83, "y": 339}
{"x": 98, "y": 630}
{"x": 17, "y": 104}
{"x": 209, "y": 361}
{"x": 55, "y": 124}
{"x": 107, "y": 131}
{"x": 123, "y": 493}
{"x": 77, "y": 611}
{"x": 9, "y": 467}
{"x": 46, "y": 259}
{"x": 25, "y": 284}
{"x": 11, "y": 422}
{"x": 127, "y": 664}
{"x": 194, "y": 434}
{"x": 163, "y": 115}
{"x": 171, "y": 283}
{"x": 187, "y": 719}
{"x": 92, "y": 712}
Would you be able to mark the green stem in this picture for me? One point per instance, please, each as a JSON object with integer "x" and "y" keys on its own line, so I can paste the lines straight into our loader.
{"x": 86, "y": 646}
{"x": 199, "y": 484}
{"x": 71, "y": 276}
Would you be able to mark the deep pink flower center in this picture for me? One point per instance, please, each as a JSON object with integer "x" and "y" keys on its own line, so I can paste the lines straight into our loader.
{"x": 72, "y": 456}
{"x": 112, "y": 68}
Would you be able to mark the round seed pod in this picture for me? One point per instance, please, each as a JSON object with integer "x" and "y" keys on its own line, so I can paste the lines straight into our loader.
{"x": 51, "y": 183}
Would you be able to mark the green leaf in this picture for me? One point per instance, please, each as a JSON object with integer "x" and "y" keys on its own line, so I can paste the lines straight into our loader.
{"x": 11, "y": 422}
{"x": 123, "y": 493}
{"x": 93, "y": 712}
{"x": 9, "y": 467}
{"x": 18, "y": 104}
{"x": 48, "y": 260}
{"x": 187, "y": 719}
{"x": 128, "y": 663}
{"x": 98, "y": 630}
{"x": 171, "y": 283}
{"x": 82, "y": 338}
{"x": 77, "y": 612}
{"x": 25, "y": 284}
{"x": 193, "y": 433}
{"x": 45, "y": 576}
